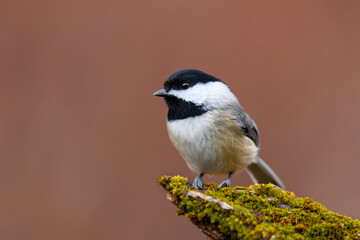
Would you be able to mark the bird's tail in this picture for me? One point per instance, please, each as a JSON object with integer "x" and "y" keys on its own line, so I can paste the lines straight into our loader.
{"x": 260, "y": 172}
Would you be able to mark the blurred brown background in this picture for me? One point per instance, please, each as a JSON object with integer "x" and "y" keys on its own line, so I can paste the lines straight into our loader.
{"x": 82, "y": 139}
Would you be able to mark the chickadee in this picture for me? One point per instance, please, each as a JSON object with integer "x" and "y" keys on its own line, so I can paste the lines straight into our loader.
{"x": 211, "y": 130}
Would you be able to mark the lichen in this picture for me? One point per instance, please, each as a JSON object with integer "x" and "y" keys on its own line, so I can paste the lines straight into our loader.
{"x": 261, "y": 211}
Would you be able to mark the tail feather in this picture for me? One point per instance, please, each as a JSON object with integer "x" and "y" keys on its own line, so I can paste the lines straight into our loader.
{"x": 260, "y": 172}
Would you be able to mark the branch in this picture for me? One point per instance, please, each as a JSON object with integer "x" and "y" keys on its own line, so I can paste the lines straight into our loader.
{"x": 260, "y": 211}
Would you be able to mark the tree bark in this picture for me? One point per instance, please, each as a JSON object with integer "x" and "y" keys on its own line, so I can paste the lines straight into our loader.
{"x": 256, "y": 212}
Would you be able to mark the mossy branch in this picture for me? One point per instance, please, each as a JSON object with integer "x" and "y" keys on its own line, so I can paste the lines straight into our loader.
{"x": 260, "y": 211}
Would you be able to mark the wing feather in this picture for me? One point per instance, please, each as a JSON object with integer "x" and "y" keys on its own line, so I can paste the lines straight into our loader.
{"x": 245, "y": 123}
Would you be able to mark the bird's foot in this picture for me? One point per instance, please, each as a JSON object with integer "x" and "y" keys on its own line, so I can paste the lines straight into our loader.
{"x": 198, "y": 182}
{"x": 225, "y": 183}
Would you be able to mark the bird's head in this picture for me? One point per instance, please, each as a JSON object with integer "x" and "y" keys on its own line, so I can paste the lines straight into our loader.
{"x": 194, "y": 87}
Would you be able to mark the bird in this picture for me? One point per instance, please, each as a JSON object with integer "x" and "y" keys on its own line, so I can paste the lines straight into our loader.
{"x": 211, "y": 130}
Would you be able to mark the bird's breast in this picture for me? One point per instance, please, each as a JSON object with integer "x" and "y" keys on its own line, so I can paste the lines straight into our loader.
{"x": 211, "y": 143}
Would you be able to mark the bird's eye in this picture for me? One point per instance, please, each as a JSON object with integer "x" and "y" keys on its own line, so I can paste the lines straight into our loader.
{"x": 185, "y": 86}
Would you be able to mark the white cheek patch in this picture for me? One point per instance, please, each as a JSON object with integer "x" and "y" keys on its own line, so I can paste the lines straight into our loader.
{"x": 210, "y": 95}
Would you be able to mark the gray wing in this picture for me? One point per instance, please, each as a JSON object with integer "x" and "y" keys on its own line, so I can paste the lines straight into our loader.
{"x": 246, "y": 124}
{"x": 258, "y": 170}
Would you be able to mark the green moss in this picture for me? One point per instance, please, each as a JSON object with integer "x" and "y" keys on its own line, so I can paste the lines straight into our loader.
{"x": 260, "y": 211}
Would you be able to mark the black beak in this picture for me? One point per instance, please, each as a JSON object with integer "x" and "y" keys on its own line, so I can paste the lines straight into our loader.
{"x": 160, "y": 93}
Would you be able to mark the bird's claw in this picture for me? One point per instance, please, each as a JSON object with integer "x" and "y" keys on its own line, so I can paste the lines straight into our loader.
{"x": 225, "y": 183}
{"x": 198, "y": 182}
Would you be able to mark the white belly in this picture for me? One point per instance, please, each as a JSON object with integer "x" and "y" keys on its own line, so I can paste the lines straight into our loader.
{"x": 209, "y": 146}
